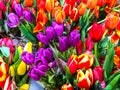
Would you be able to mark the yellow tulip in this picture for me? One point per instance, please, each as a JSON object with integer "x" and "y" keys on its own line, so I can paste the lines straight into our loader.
{"x": 28, "y": 47}
{"x": 24, "y": 87}
{"x": 12, "y": 71}
{"x": 21, "y": 68}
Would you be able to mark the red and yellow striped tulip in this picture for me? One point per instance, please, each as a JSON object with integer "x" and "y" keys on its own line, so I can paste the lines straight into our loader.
{"x": 67, "y": 87}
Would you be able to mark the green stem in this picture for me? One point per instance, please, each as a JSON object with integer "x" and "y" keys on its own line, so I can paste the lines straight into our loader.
{"x": 96, "y": 54}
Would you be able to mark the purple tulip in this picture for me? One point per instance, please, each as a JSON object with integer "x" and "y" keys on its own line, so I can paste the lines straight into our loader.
{"x": 18, "y": 10}
{"x": 74, "y": 38}
{"x": 59, "y": 28}
{"x": 50, "y": 32}
{"x": 43, "y": 38}
{"x": 13, "y": 20}
{"x": 28, "y": 58}
{"x": 28, "y": 15}
{"x": 63, "y": 43}
{"x": 52, "y": 64}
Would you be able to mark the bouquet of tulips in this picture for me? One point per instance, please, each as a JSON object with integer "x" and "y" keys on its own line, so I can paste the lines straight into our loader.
{"x": 62, "y": 44}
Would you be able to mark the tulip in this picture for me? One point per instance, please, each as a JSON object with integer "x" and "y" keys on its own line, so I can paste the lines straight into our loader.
{"x": 85, "y": 80}
{"x": 27, "y": 57}
{"x": 3, "y": 73}
{"x": 63, "y": 43}
{"x": 28, "y": 3}
{"x": 41, "y": 4}
{"x": 55, "y": 9}
{"x": 43, "y": 38}
{"x": 112, "y": 20}
{"x": 21, "y": 70}
{"x": 85, "y": 60}
{"x": 24, "y": 87}
{"x": 103, "y": 85}
{"x": 41, "y": 16}
{"x": 59, "y": 28}
{"x": 79, "y": 47}
{"x": 18, "y": 10}
{"x": 60, "y": 16}
{"x": 89, "y": 44}
{"x": 67, "y": 87}
{"x": 101, "y": 2}
{"x": 96, "y": 11}
{"x": 7, "y": 42}
{"x": 49, "y": 5}
{"x": 2, "y": 5}
{"x": 71, "y": 2}
{"x": 92, "y": 4}
{"x": 50, "y": 32}
{"x": 38, "y": 27}
{"x": 96, "y": 32}
{"x": 118, "y": 29}
{"x": 114, "y": 38}
{"x": 117, "y": 61}
{"x": 74, "y": 15}
{"x": 72, "y": 62}
{"x": 67, "y": 8}
{"x": 13, "y": 20}
{"x": 117, "y": 50}
{"x": 112, "y": 3}
{"x": 28, "y": 47}
{"x": 98, "y": 73}
{"x": 11, "y": 71}
{"x": 74, "y": 38}
{"x": 28, "y": 15}
{"x": 82, "y": 8}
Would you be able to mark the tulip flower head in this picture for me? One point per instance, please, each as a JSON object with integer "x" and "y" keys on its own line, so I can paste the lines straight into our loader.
{"x": 28, "y": 3}
{"x": 67, "y": 87}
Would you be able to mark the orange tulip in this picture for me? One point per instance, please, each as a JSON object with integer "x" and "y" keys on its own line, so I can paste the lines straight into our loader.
{"x": 38, "y": 27}
{"x": 28, "y": 3}
{"x": 55, "y": 10}
{"x": 112, "y": 20}
{"x": 49, "y": 5}
{"x": 92, "y": 4}
{"x": 82, "y": 8}
{"x": 59, "y": 16}
{"x": 74, "y": 15}
{"x": 117, "y": 50}
{"x": 96, "y": 11}
{"x": 41, "y": 16}
{"x": 85, "y": 80}
{"x": 116, "y": 60}
{"x": 85, "y": 60}
{"x": 3, "y": 73}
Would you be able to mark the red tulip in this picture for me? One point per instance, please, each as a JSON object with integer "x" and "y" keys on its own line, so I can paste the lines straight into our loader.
{"x": 7, "y": 42}
{"x": 111, "y": 3}
{"x": 98, "y": 73}
{"x": 101, "y": 2}
{"x": 112, "y": 20}
{"x": 85, "y": 60}
{"x": 89, "y": 44}
{"x": 96, "y": 32}
{"x": 85, "y": 80}
{"x": 67, "y": 87}
{"x": 117, "y": 50}
{"x": 72, "y": 62}
{"x": 41, "y": 4}
{"x": 79, "y": 47}
{"x": 118, "y": 29}
{"x": 67, "y": 8}
{"x": 74, "y": 15}
{"x": 71, "y": 2}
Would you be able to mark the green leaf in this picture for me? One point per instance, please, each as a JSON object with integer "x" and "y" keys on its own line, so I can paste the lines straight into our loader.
{"x": 16, "y": 56}
{"x": 68, "y": 74}
{"x": 51, "y": 79}
{"x": 104, "y": 42}
{"x": 17, "y": 63}
{"x": 61, "y": 2}
{"x": 108, "y": 64}
{"x": 27, "y": 33}
{"x": 23, "y": 80}
{"x": 112, "y": 84}
{"x": 5, "y": 51}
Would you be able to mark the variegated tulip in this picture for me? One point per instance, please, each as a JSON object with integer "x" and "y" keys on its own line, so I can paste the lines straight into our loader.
{"x": 67, "y": 87}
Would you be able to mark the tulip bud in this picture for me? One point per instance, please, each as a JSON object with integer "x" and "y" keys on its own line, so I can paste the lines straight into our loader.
{"x": 71, "y": 2}
{"x": 24, "y": 87}
{"x": 11, "y": 71}
{"x": 59, "y": 16}
{"x": 112, "y": 3}
{"x": 89, "y": 44}
{"x": 82, "y": 8}
{"x": 74, "y": 15}
{"x": 85, "y": 80}
{"x": 49, "y": 5}
{"x": 98, "y": 73}
{"x": 21, "y": 70}
{"x": 112, "y": 20}
{"x": 28, "y": 47}
{"x": 85, "y": 60}
{"x": 96, "y": 32}
{"x": 28, "y": 3}
{"x": 67, "y": 87}
{"x": 72, "y": 62}
{"x": 67, "y": 9}
{"x": 18, "y": 10}
{"x": 79, "y": 47}
{"x": 92, "y": 4}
